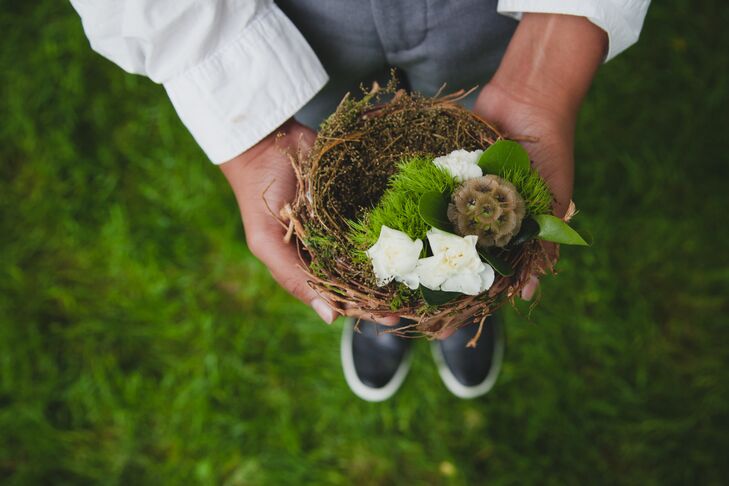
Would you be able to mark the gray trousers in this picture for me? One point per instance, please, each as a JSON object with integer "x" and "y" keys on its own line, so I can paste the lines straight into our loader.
{"x": 431, "y": 42}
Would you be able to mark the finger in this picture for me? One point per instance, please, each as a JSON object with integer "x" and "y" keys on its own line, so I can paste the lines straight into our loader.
{"x": 368, "y": 316}
{"x": 527, "y": 293}
{"x": 445, "y": 334}
{"x": 284, "y": 264}
{"x": 531, "y": 287}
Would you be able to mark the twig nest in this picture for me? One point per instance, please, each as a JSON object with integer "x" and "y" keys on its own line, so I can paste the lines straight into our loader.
{"x": 488, "y": 207}
{"x": 358, "y": 151}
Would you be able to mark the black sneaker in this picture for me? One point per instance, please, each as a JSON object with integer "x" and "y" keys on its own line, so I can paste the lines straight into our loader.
{"x": 375, "y": 363}
{"x": 470, "y": 372}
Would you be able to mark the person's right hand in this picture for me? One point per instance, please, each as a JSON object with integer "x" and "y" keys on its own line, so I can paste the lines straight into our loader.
{"x": 265, "y": 171}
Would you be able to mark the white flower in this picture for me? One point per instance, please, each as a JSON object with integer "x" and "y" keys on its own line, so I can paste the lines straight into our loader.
{"x": 455, "y": 265}
{"x": 395, "y": 256}
{"x": 461, "y": 164}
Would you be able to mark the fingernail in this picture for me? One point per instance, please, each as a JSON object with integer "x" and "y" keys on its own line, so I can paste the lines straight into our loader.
{"x": 322, "y": 308}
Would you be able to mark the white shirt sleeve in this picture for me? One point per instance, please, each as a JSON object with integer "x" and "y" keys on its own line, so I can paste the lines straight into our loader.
{"x": 235, "y": 70}
{"x": 621, "y": 19}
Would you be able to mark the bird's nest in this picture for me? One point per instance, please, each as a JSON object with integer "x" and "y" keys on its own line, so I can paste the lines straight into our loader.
{"x": 346, "y": 172}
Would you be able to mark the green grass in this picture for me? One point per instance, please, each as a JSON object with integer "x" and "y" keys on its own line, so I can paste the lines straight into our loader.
{"x": 141, "y": 343}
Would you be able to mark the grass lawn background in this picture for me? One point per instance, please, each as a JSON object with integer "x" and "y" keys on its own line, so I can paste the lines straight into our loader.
{"x": 141, "y": 343}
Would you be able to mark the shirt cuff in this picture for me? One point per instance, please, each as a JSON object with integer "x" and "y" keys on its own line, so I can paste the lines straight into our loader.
{"x": 247, "y": 89}
{"x": 622, "y": 20}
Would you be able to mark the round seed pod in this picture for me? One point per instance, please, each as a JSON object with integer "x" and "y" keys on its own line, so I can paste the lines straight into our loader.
{"x": 488, "y": 207}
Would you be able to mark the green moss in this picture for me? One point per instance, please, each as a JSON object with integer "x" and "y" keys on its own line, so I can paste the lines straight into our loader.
{"x": 398, "y": 207}
{"x": 404, "y": 296}
{"x": 325, "y": 247}
{"x": 323, "y": 244}
{"x": 531, "y": 186}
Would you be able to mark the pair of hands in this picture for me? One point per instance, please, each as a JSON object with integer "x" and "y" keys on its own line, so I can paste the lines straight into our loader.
{"x": 535, "y": 95}
{"x": 266, "y": 168}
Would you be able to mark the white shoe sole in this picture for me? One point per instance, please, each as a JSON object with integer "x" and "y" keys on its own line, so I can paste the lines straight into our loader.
{"x": 468, "y": 392}
{"x": 363, "y": 391}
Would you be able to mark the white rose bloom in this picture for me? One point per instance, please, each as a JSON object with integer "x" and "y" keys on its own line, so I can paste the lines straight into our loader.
{"x": 461, "y": 164}
{"x": 395, "y": 256}
{"x": 455, "y": 265}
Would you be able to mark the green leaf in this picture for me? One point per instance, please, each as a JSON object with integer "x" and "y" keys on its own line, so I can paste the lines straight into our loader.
{"x": 551, "y": 228}
{"x": 500, "y": 266}
{"x": 529, "y": 230}
{"x": 433, "y": 207}
{"x": 502, "y": 155}
{"x": 437, "y": 297}
{"x": 586, "y": 235}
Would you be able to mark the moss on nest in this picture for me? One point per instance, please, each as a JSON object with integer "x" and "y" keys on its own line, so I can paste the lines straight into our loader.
{"x": 399, "y": 206}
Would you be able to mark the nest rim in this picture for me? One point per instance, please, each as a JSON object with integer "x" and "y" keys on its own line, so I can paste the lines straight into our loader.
{"x": 357, "y": 299}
